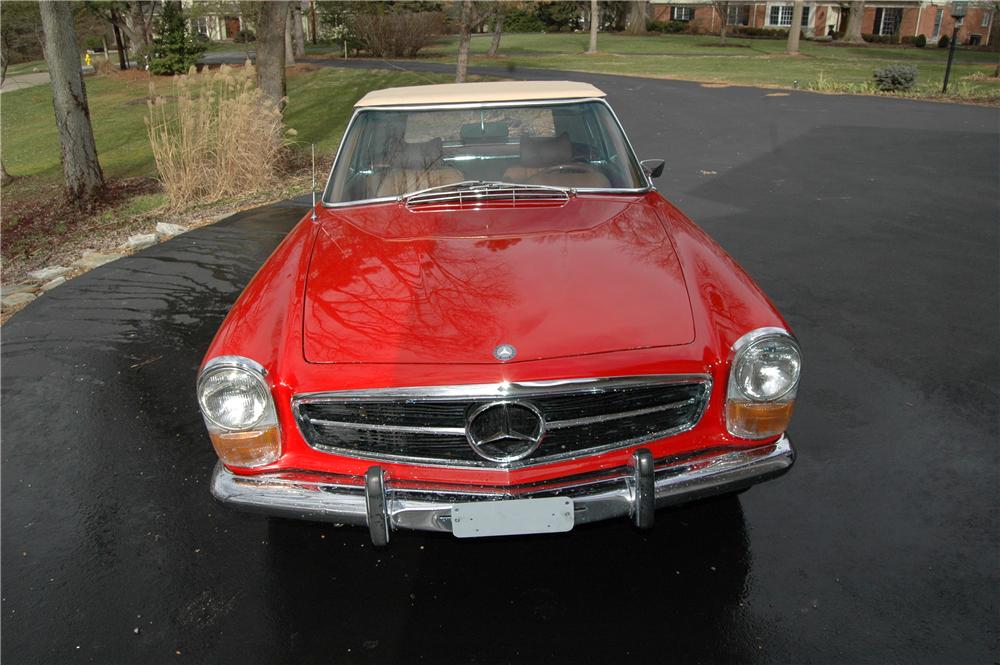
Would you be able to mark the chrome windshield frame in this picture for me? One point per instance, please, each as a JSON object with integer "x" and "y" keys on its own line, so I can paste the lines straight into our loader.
{"x": 484, "y": 105}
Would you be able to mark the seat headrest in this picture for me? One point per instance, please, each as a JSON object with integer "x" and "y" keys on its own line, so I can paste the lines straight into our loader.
{"x": 546, "y": 151}
{"x": 420, "y": 156}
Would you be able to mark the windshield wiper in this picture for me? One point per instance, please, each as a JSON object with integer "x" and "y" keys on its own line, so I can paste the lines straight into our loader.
{"x": 484, "y": 185}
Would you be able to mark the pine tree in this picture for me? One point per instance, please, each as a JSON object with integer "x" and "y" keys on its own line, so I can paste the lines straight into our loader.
{"x": 175, "y": 50}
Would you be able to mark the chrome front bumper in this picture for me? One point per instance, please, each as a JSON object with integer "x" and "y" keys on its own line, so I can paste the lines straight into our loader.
{"x": 382, "y": 505}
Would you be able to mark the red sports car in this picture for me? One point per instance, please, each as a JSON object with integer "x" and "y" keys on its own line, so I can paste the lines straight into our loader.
{"x": 493, "y": 324}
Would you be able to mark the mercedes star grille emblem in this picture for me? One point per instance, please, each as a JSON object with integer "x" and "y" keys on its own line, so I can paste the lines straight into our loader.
{"x": 505, "y": 431}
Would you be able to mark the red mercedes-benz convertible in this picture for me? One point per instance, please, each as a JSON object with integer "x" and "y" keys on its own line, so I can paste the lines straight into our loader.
{"x": 492, "y": 324}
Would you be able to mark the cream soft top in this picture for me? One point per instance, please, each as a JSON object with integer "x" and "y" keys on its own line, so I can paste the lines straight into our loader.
{"x": 474, "y": 93}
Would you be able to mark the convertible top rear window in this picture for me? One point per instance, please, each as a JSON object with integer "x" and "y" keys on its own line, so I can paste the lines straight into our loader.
{"x": 393, "y": 152}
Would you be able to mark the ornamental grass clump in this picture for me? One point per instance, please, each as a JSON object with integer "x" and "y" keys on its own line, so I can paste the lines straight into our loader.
{"x": 217, "y": 137}
{"x": 895, "y": 78}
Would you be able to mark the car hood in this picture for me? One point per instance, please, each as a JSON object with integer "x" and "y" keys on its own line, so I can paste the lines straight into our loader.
{"x": 390, "y": 285}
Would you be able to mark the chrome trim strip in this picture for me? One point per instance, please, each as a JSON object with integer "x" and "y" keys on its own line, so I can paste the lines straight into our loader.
{"x": 405, "y": 429}
{"x": 429, "y": 107}
{"x": 556, "y": 424}
{"x": 501, "y": 390}
{"x": 676, "y": 481}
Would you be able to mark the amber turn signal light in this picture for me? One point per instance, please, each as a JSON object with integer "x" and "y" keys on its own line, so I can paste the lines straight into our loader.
{"x": 247, "y": 449}
{"x": 757, "y": 420}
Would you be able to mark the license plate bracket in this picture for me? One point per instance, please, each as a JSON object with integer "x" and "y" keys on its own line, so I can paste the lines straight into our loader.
{"x": 512, "y": 517}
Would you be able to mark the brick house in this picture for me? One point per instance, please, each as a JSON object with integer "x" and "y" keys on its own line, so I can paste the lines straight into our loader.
{"x": 906, "y": 18}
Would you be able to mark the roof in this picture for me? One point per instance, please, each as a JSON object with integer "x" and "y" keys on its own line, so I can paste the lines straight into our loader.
{"x": 465, "y": 93}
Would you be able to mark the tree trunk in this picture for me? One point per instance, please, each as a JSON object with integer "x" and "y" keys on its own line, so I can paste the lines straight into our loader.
{"x": 636, "y": 18}
{"x": 271, "y": 51}
{"x": 465, "y": 36}
{"x": 297, "y": 32}
{"x": 723, "y": 11}
{"x": 856, "y": 13}
{"x": 595, "y": 18}
{"x": 497, "y": 32}
{"x": 289, "y": 47}
{"x": 312, "y": 22}
{"x": 139, "y": 27}
{"x": 82, "y": 174}
{"x": 119, "y": 43}
{"x": 795, "y": 29}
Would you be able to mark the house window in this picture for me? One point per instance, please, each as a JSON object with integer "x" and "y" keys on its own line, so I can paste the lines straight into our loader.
{"x": 887, "y": 20}
{"x": 201, "y": 25}
{"x": 985, "y": 23}
{"x": 738, "y": 15}
{"x": 780, "y": 16}
{"x": 681, "y": 13}
{"x": 937, "y": 23}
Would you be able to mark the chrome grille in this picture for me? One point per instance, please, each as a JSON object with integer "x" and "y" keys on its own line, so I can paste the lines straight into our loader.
{"x": 428, "y": 425}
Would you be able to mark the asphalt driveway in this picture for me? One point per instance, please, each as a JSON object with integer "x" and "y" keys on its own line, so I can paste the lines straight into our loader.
{"x": 873, "y": 223}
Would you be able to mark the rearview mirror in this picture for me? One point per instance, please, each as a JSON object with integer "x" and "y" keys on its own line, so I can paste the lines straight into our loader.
{"x": 653, "y": 167}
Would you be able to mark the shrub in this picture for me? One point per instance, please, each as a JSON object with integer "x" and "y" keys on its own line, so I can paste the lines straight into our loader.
{"x": 944, "y": 41}
{"x": 93, "y": 43}
{"x": 667, "y": 27}
{"x": 175, "y": 50}
{"x": 879, "y": 39}
{"x": 523, "y": 20}
{"x": 244, "y": 37}
{"x": 396, "y": 34}
{"x": 896, "y": 77}
{"x": 762, "y": 33}
{"x": 920, "y": 41}
{"x": 220, "y": 138}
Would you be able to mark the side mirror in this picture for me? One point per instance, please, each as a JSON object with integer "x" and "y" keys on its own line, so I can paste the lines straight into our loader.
{"x": 653, "y": 167}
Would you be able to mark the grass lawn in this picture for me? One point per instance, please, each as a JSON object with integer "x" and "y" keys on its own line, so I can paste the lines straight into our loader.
{"x": 749, "y": 62}
{"x": 27, "y": 67}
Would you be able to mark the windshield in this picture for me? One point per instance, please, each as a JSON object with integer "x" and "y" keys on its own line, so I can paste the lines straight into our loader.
{"x": 390, "y": 153}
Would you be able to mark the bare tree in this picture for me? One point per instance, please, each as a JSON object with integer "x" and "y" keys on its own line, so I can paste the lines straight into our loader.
{"x": 595, "y": 19}
{"x": 138, "y": 25}
{"x": 466, "y": 20}
{"x": 297, "y": 32}
{"x": 721, "y": 8}
{"x": 795, "y": 28}
{"x": 82, "y": 176}
{"x": 856, "y": 13}
{"x": 498, "y": 14}
{"x": 636, "y": 24}
{"x": 289, "y": 42}
{"x": 271, "y": 20}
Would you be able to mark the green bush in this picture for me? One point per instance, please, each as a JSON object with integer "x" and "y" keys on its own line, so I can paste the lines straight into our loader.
{"x": 879, "y": 39}
{"x": 920, "y": 41}
{"x": 895, "y": 78}
{"x": 762, "y": 33}
{"x": 523, "y": 20}
{"x": 175, "y": 50}
{"x": 944, "y": 41}
{"x": 93, "y": 43}
{"x": 667, "y": 27}
{"x": 244, "y": 37}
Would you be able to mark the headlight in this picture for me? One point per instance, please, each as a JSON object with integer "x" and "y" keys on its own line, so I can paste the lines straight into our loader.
{"x": 236, "y": 403}
{"x": 763, "y": 382}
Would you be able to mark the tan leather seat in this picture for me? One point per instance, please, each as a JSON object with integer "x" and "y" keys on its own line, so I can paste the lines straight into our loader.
{"x": 417, "y": 166}
{"x": 549, "y": 161}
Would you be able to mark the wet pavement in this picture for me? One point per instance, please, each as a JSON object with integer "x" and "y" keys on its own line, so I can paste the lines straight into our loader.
{"x": 872, "y": 223}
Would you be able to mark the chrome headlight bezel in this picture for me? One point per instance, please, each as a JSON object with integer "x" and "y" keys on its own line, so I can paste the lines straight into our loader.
{"x": 757, "y": 340}
{"x": 249, "y": 369}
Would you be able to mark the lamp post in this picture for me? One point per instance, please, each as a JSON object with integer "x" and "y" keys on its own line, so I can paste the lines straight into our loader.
{"x": 958, "y": 14}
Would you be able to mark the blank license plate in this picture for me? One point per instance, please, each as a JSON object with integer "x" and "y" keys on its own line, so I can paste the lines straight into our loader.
{"x": 509, "y": 518}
